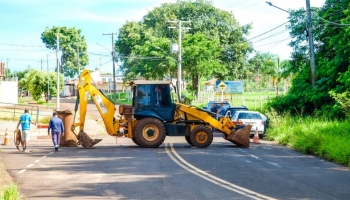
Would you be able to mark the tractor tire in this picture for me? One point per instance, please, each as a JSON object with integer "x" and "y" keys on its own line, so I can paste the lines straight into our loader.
{"x": 149, "y": 133}
{"x": 133, "y": 139}
{"x": 201, "y": 136}
{"x": 188, "y": 140}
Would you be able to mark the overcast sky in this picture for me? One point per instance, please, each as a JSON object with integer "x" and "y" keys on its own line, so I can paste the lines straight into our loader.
{"x": 23, "y": 21}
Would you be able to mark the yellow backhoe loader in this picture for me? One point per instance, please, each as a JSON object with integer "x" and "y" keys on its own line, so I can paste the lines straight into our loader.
{"x": 153, "y": 116}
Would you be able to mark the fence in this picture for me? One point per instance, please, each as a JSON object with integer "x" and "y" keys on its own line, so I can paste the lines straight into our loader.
{"x": 14, "y": 111}
{"x": 251, "y": 100}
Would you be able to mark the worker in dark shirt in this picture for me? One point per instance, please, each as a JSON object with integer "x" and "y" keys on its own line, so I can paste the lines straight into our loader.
{"x": 57, "y": 129}
{"x": 213, "y": 109}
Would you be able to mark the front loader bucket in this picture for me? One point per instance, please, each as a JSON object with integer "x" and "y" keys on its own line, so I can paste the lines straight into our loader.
{"x": 240, "y": 137}
{"x": 86, "y": 141}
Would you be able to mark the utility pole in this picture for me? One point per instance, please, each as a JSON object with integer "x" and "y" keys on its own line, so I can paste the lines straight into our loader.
{"x": 48, "y": 83}
{"x": 77, "y": 44}
{"x": 179, "y": 55}
{"x": 41, "y": 65}
{"x": 311, "y": 40}
{"x": 113, "y": 59}
{"x": 311, "y": 44}
{"x": 100, "y": 63}
{"x": 78, "y": 61}
{"x": 58, "y": 72}
{"x": 7, "y": 63}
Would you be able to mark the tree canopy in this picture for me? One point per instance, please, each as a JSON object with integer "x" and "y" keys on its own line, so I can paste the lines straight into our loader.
{"x": 37, "y": 81}
{"x": 70, "y": 43}
{"x": 214, "y": 40}
{"x": 331, "y": 24}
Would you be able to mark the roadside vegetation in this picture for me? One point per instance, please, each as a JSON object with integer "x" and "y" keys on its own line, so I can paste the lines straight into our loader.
{"x": 8, "y": 189}
{"x": 311, "y": 116}
{"x": 319, "y": 136}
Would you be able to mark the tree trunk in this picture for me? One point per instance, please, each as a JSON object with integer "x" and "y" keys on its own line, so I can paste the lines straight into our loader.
{"x": 195, "y": 85}
{"x": 198, "y": 86}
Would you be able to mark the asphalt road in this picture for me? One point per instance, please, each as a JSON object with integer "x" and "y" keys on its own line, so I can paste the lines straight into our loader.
{"x": 174, "y": 171}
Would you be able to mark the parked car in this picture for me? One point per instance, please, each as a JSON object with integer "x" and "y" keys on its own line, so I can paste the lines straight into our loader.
{"x": 217, "y": 105}
{"x": 266, "y": 120}
{"x": 253, "y": 118}
{"x": 230, "y": 111}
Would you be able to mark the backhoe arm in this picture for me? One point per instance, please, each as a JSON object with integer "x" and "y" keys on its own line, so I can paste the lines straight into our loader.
{"x": 104, "y": 106}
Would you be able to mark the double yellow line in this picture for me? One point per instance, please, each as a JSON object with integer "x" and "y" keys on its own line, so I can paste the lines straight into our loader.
{"x": 169, "y": 148}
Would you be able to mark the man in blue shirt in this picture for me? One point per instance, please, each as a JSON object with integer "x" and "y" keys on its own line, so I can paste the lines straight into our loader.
{"x": 221, "y": 110}
{"x": 25, "y": 120}
{"x": 57, "y": 128}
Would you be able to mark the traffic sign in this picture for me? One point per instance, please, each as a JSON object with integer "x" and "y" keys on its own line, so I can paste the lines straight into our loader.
{"x": 222, "y": 86}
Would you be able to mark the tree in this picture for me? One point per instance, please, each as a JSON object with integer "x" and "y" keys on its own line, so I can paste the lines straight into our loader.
{"x": 201, "y": 58}
{"x": 70, "y": 39}
{"x": 137, "y": 40}
{"x": 36, "y": 82}
{"x": 331, "y": 32}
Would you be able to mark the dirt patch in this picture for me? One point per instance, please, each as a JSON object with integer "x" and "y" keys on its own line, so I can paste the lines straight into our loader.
{"x": 5, "y": 178}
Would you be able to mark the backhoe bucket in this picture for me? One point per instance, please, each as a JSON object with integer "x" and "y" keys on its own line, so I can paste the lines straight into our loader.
{"x": 86, "y": 141}
{"x": 240, "y": 137}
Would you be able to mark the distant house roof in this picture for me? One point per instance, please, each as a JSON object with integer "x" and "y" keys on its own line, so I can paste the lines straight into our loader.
{"x": 211, "y": 82}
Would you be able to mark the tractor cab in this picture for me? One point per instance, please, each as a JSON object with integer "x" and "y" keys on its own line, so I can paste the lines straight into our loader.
{"x": 153, "y": 99}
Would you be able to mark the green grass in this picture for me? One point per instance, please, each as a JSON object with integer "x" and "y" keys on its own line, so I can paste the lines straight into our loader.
{"x": 249, "y": 99}
{"x": 7, "y": 115}
{"x": 322, "y": 137}
{"x": 123, "y": 101}
{"x": 10, "y": 192}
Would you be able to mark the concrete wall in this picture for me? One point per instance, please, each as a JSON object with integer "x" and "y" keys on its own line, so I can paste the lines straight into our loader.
{"x": 9, "y": 92}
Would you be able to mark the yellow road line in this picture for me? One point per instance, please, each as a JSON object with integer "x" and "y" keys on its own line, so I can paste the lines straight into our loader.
{"x": 220, "y": 182}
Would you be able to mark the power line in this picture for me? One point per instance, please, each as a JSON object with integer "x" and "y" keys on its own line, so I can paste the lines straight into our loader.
{"x": 335, "y": 12}
{"x": 272, "y": 42}
{"x": 269, "y": 30}
{"x": 15, "y": 45}
{"x": 22, "y": 50}
{"x": 332, "y": 22}
{"x": 239, "y": 3}
{"x": 269, "y": 36}
{"x": 256, "y": 2}
{"x": 272, "y": 46}
{"x": 99, "y": 54}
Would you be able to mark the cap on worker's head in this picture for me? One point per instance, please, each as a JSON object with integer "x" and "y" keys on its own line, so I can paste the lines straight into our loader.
{"x": 26, "y": 110}
{"x": 54, "y": 113}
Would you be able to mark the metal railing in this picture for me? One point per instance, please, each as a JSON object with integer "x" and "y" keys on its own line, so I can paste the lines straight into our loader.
{"x": 13, "y": 110}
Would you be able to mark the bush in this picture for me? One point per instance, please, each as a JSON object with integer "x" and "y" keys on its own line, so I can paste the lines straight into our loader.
{"x": 44, "y": 120}
{"x": 40, "y": 102}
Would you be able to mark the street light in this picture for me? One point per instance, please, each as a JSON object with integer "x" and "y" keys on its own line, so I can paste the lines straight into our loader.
{"x": 311, "y": 40}
{"x": 58, "y": 72}
{"x": 277, "y": 7}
